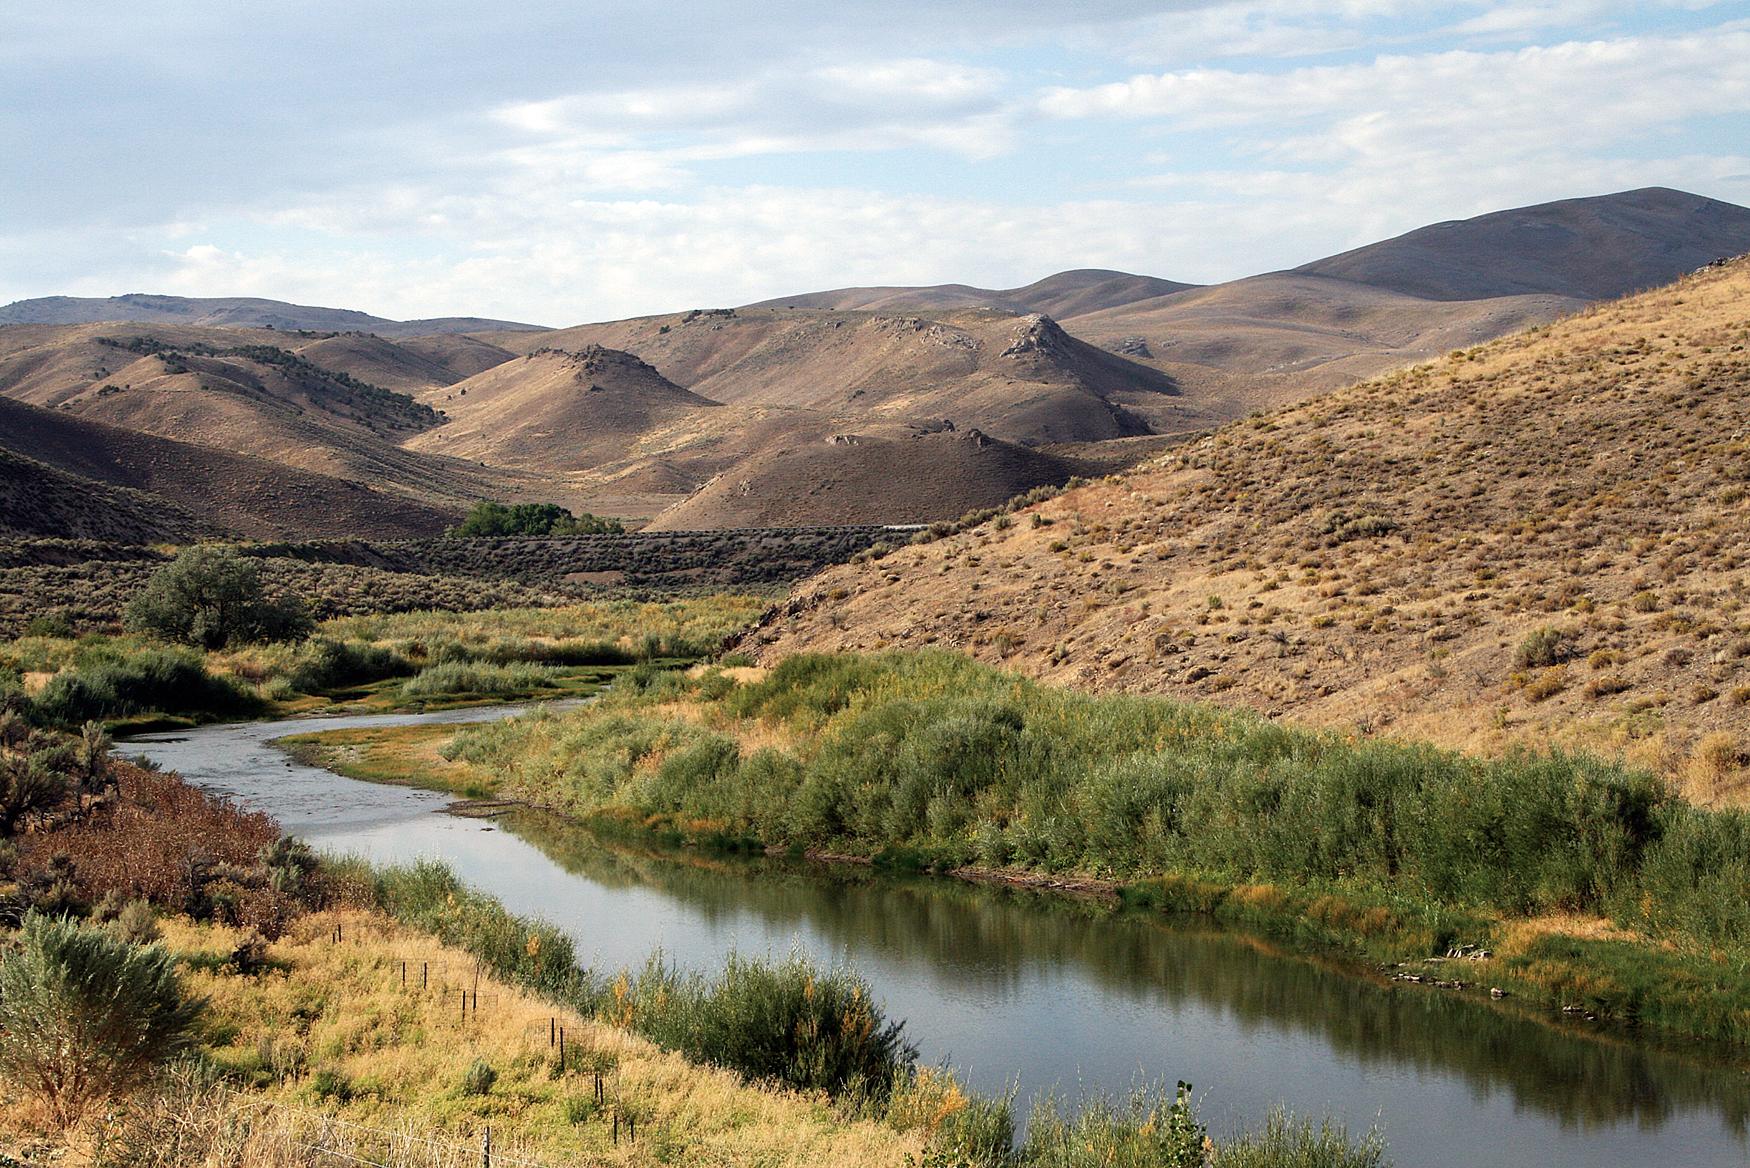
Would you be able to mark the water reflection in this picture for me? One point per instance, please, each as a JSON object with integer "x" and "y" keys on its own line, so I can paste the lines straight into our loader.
{"x": 1056, "y": 991}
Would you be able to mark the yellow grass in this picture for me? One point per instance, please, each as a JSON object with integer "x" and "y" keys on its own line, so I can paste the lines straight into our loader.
{"x": 338, "y": 1013}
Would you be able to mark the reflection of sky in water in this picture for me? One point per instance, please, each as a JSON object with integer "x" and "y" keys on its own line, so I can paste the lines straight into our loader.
{"x": 1060, "y": 1017}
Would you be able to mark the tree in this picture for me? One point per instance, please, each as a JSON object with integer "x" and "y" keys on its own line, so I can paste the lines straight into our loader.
{"x": 213, "y": 597}
{"x": 85, "y": 1015}
{"x": 524, "y": 519}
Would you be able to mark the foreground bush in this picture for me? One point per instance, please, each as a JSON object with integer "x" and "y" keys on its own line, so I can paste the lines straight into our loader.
{"x": 212, "y": 597}
{"x": 790, "y": 1023}
{"x": 85, "y": 1015}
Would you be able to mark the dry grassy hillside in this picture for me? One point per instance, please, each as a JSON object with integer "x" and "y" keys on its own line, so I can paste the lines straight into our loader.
{"x": 1018, "y": 378}
{"x": 38, "y": 500}
{"x": 1540, "y": 539}
{"x": 858, "y": 478}
{"x": 1061, "y": 295}
{"x": 557, "y": 410}
{"x": 283, "y": 398}
{"x": 176, "y": 487}
{"x": 1271, "y": 340}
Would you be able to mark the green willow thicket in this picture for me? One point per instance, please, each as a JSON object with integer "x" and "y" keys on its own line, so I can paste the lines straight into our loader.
{"x": 932, "y": 759}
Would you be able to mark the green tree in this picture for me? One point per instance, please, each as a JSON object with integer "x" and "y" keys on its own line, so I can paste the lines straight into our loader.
{"x": 213, "y": 597}
{"x": 489, "y": 520}
{"x": 85, "y": 1015}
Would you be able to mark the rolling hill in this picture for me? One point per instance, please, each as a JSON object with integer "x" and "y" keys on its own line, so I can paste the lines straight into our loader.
{"x": 1539, "y": 539}
{"x": 851, "y": 478}
{"x": 70, "y": 476}
{"x": 1019, "y": 378}
{"x": 234, "y": 312}
{"x": 1064, "y": 294}
{"x": 631, "y": 417}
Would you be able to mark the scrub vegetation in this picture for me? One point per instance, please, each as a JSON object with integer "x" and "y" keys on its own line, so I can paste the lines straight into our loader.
{"x": 213, "y": 1034}
{"x": 1399, "y": 851}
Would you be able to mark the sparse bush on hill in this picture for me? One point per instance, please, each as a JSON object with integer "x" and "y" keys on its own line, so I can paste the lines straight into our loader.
{"x": 212, "y": 597}
{"x": 85, "y": 1015}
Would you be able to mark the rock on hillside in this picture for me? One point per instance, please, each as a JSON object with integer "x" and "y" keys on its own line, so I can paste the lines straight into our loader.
{"x": 1540, "y": 539}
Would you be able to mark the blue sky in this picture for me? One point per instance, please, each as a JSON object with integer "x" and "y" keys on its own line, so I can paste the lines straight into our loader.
{"x": 563, "y": 161}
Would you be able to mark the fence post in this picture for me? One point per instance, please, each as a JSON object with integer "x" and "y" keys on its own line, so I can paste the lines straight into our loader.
{"x": 552, "y": 1030}
{"x": 424, "y": 966}
{"x": 562, "y": 1050}
{"x": 486, "y": 1149}
{"x": 403, "y": 975}
{"x": 464, "y": 1007}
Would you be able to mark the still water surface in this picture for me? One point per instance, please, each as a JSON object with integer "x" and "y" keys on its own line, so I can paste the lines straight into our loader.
{"x": 1060, "y": 994}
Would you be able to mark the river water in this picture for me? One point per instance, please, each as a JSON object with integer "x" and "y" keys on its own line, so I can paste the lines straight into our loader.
{"x": 1052, "y": 992}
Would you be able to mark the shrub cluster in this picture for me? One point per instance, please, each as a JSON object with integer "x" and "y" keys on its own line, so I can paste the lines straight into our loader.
{"x": 930, "y": 759}
{"x": 531, "y": 519}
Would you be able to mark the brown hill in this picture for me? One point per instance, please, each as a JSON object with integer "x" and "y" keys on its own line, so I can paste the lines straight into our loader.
{"x": 173, "y": 489}
{"x": 234, "y": 312}
{"x": 1019, "y": 378}
{"x": 238, "y": 391}
{"x": 1267, "y": 340}
{"x": 408, "y": 366}
{"x": 1587, "y": 249}
{"x": 1540, "y": 539}
{"x": 557, "y": 410}
{"x": 863, "y": 478}
{"x": 1065, "y": 294}
{"x": 38, "y": 501}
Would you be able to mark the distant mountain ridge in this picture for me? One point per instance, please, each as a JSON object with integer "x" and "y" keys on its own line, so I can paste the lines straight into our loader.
{"x": 1062, "y": 295}
{"x": 817, "y": 406}
{"x": 237, "y": 312}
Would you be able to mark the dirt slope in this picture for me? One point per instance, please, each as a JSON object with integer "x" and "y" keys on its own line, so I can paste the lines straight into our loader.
{"x": 1268, "y": 340}
{"x": 1382, "y": 556}
{"x": 859, "y": 478}
{"x": 225, "y": 491}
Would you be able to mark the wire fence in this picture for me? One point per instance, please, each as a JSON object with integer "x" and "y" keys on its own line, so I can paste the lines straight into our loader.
{"x": 325, "y": 1138}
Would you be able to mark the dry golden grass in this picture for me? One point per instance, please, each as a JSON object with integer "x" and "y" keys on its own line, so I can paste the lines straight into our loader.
{"x": 330, "y": 1029}
{"x": 1376, "y": 557}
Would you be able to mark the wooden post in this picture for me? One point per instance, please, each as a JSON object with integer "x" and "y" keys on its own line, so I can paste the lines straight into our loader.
{"x": 552, "y": 1030}
{"x": 464, "y": 1006}
{"x": 486, "y": 1149}
{"x": 403, "y": 975}
{"x": 631, "y": 1127}
{"x": 616, "y": 1125}
{"x": 562, "y": 1049}
{"x": 424, "y": 968}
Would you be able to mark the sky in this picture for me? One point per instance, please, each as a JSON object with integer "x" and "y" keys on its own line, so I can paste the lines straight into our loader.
{"x": 559, "y": 161}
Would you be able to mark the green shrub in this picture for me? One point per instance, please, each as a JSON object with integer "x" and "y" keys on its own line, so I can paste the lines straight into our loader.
{"x": 788, "y": 1022}
{"x": 212, "y": 597}
{"x": 478, "y": 1078}
{"x": 1542, "y": 648}
{"x": 157, "y": 680}
{"x": 85, "y": 1015}
{"x": 460, "y": 678}
{"x": 326, "y": 664}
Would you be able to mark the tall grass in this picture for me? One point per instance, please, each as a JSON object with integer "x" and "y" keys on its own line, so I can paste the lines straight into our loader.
{"x": 929, "y": 759}
{"x": 458, "y": 678}
{"x": 152, "y": 681}
{"x": 787, "y": 1022}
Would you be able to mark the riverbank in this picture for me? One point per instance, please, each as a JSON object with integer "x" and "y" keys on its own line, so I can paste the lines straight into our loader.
{"x": 1575, "y": 888}
{"x": 360, "y": 664}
